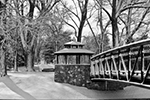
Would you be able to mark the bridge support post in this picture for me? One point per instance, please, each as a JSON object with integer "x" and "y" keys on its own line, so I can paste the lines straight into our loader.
{"x": 103, "y": 85}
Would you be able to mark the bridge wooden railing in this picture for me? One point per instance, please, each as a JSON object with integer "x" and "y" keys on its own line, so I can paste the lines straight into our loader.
{"x": 129, "y": 63}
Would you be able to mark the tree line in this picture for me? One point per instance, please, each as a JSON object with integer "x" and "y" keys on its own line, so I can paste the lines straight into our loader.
{"x": 34, "y": 29}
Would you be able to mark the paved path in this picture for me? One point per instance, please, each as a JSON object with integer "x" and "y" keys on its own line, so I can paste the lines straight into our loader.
{"x": 9, "y": 90}
{"x": 42, "y": 86}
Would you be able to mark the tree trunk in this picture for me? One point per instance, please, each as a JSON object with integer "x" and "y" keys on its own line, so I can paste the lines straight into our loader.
{"x": 83, "y": 19}
{"x": 81, "y": 28}
{"x": 115, "y": 31}
{"x": 128, "y": 27}
{"x": 30, "y": 53}
{"x": 31, "y": 10}
{"x": 3, "y": 69}
{"x": 79, "y": 35}
{"x": 30, "y": 62}
{"x": 101, "y": 27}
{"x": 15, "y": 63}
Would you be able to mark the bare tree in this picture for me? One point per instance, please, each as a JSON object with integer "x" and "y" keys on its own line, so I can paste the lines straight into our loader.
{"x": 79, "y": 12}
{"x": 30, "y": 25}
{"x": 101, "y": 23}
{"x": 118, "y": 9}
{"x": 3, "y": 70}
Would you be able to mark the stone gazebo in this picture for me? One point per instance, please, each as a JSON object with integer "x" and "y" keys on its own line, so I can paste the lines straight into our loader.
{"x": 73, "y": 64}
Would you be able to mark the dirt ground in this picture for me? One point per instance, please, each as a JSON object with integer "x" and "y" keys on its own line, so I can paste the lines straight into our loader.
{"x": 41, "y": 85}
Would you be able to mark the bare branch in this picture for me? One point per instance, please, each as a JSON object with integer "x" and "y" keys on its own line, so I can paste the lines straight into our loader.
{"x": 14, "y": 8}
{"x": 23, "y": 39}
{"x": 74, "y": 21}
{"x": 79, "y": 4}
{"x": 122, "y": 32}
{"x": 140, "y": 22}
{"x": 71, "y": 11}
{"x": 69, "y": 24}
{"x": 107, "y": 13}
{"x": 129, "y": 7}
{"x": 109, "y": 3}
{"x": 107, "y": 24}
{"x": 92, "y": 32}
{"x": 123, "y": 21}
{"x": 76, "y": 8}
{"x": 120, "y": 4}
{"x": 92, "y": 11}
{"x": 48, "y": 8}
{"x": 33, "y": 41}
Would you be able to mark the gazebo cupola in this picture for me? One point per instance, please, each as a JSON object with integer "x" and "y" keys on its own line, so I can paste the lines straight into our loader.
{"x": 74, "y": 45}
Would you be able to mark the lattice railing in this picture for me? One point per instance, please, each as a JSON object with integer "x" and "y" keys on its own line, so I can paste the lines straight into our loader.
{"x": 129, "y": 63}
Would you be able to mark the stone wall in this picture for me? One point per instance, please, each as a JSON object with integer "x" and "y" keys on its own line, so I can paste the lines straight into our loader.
{"x": 73, "y": 74}
{"x": 80, "y": 75}
{"x": 106, "y": 85}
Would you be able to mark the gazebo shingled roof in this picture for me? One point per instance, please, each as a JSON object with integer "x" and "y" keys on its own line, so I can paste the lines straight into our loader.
{"x": 74, "y": 50}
